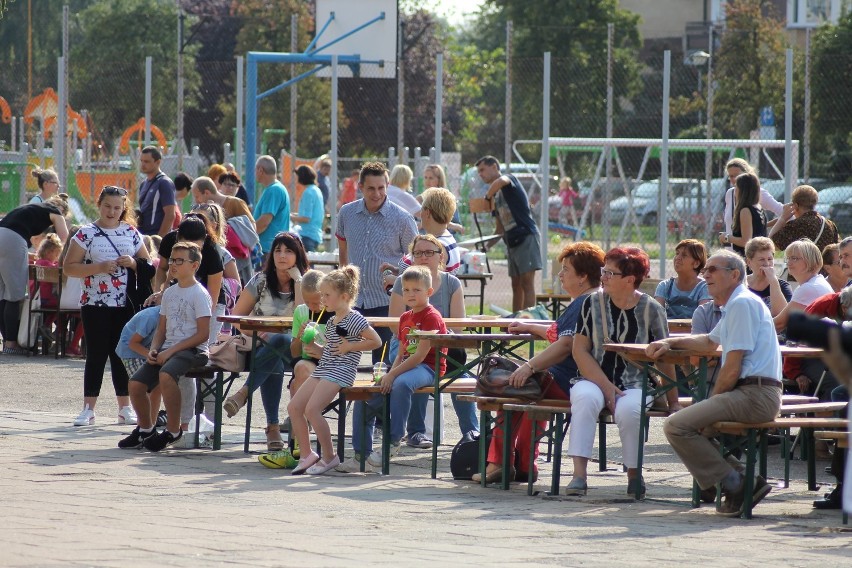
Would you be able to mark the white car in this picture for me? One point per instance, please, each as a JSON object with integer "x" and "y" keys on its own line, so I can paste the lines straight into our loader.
{"x": 646, "y": 200}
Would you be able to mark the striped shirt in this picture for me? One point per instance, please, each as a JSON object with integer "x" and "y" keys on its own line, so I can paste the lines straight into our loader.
{"x": 453, "y": 254}
{"x": 644, "y": 323}
{"x": 373, "y": 239}
{"x": 341, "y": 369}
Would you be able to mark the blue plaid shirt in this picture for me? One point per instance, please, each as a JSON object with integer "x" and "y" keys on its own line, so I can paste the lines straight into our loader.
{"x": 373, "y": 239}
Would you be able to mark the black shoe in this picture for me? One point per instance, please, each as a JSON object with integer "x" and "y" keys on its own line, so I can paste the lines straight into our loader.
{"x": 162, "y": 419}
{"x": 135, "y": 439}
{"x": 161, "y": 441}
{"x": 636, "y": 484}
{"x": 833, "y": 500}
{"x": 708, "y": 495}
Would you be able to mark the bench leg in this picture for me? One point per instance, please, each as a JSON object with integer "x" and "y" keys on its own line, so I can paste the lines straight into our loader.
{"x": 386, "y": 442}
{"x": 341, "y": 425}
{"x": 785, "y": 447}
{"x": 601, "y": 446}
{"x": 534, "y": 439}
{"x": 751, "y": 458}
{"x": 763, "y": 449}
{"x": 559, "y": 435}
{"x": 217, "y": 414}
{"x": 485, "y": 425}
{"x": 550, "y": 441}
{"x": 508, "y": 459}
{"x": 808, "y": 435}
{"x": 199, "y": 404}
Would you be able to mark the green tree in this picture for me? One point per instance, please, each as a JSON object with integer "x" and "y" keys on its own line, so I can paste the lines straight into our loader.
{"x": 107, "y": 73}
{"x": 575, "y": 32}
{"x": 749, "y": 66}
{"x": 831, "y": 79}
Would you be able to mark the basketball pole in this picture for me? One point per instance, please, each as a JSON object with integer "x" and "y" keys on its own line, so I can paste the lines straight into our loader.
{"x": 544, "y": 169}
{"x": 664, "y": 162}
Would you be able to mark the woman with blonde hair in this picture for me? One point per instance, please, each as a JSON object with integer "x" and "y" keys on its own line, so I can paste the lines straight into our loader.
{"x": 804, "y": 261}
{"x": 48, "y": 185}
{"x": 399, "y": 189}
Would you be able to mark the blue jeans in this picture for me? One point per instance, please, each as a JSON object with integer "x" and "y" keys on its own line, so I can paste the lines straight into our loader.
{"x": 270, "y": 362}
{"x": 310, "y": 244}
{"x": 400, "y": 405}
{"x": 466, "y": 412}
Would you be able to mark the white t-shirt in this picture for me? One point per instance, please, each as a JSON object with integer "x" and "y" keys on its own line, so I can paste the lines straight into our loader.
{"x": 182, "y": 307}
{"x": 404, "y": 199}
{"x": 811, "y": 290}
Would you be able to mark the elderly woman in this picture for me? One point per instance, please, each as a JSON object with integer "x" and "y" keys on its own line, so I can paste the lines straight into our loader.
{"x": 763, "y": 282}
{"x": 806, "y": 224}
{"x": 16, "y": 229}
{"x": 831, "y": 267}
{"x": 682, "y": 294}
{"x": 804, "y": 261}
{"x": 579, "y": 277}
{"x": 619, "y": 313}
{"x": 276, "y": 291}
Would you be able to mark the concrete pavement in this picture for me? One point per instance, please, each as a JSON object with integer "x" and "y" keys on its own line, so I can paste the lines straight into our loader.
{"x": 71, "y": 497}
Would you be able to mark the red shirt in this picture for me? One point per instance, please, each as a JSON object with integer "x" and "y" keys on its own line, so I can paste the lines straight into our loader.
{"x": 824, "y": 306}
{"x": 428, "y": 319}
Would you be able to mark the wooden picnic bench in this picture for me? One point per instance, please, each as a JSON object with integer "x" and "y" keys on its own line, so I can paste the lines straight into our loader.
{"x": 752, "y": 450}
{"x": 365, "y": 390}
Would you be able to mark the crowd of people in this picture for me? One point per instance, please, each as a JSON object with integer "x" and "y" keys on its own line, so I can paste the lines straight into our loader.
{"x": 155, "y": 307}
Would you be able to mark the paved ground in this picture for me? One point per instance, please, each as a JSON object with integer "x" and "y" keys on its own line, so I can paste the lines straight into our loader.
{"x": 70, "y": 497}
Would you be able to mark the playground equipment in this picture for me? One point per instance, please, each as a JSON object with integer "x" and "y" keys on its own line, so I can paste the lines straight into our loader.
{"x": 139, "y": 130}
{"x": 5, "y": 111}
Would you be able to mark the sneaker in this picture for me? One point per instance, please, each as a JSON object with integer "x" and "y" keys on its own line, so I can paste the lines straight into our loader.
{"x": 162, "y": 419}
{"x": 322, "y": 467}
{"x": 161, "y": 441}
{"x": 418, "y": 440}
{"x": 126, "y": 415}
{"x": 86, "y": 418}
{"x": 353, "y": 465}
{"x": 278, "y": 460}
{"x": 136, "y": 439}
{"x": 187, "y": 442}
{"x": 375, "y": 458}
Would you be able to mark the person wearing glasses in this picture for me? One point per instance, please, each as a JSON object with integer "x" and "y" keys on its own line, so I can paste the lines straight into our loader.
{"x": 804, "y": 261}
{"x": 101, "y": 254}
{"x": 618, "y": 313}
{"x": 16, "y": 229}
{"x": 48, "y": 185}
{"x": 747, "y": 388}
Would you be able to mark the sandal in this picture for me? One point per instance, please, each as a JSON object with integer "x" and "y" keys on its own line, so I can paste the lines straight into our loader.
{"x": 235, "y": 402}
{"x": 577, "y": 486}
{"x": 274, "y": 443}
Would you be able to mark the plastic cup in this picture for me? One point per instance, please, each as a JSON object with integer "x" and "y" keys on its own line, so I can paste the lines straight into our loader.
{"x": 310, "y": 332}
{"x": 379, "y": 371}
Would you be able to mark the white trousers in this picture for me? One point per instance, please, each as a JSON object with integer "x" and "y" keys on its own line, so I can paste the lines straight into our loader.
{"x": 587, "y": 402}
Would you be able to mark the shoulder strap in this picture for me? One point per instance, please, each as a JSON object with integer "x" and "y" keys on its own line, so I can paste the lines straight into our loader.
{"x": 821, "y": 229}
{"x": 112, "y": 244}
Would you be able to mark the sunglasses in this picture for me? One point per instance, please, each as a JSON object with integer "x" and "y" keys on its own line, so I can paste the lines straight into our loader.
{"x": 114, "y": 190}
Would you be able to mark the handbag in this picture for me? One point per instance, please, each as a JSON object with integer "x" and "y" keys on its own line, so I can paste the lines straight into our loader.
{"x": 464, "y": 459}
{"x": 493, "y": 380}
{"x": 229, "y": 352}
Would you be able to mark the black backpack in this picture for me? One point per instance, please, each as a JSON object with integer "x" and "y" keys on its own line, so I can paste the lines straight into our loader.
{"x": 464, "y": 461}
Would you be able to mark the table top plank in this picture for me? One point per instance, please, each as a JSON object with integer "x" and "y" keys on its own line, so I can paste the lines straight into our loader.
{"x": 271, "y": 323}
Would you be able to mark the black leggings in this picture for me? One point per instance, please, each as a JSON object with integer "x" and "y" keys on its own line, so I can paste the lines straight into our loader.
{"x": 102, "y": 327}
{"x": 10, "y": 319}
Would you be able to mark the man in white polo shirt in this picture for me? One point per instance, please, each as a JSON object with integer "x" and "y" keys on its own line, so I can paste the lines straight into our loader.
{"x": 747, "y": 389}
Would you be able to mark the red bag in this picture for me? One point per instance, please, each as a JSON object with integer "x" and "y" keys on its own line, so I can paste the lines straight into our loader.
{"x": 234, "y": 245}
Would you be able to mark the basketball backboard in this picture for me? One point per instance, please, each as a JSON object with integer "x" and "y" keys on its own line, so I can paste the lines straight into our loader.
{"x": 350, "y": 20}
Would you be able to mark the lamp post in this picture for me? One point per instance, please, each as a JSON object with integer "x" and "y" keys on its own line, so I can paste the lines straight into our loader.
{"x": 697, "y": 58}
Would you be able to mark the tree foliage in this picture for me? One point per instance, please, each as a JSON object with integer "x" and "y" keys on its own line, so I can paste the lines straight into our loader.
{"x": 749, "y": 66}
{"x": 108, "y": 64}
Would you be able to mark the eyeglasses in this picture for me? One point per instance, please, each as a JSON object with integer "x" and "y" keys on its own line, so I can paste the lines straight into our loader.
{"x": 426, "y": 253}
{"x": 114, "y": 190}
{"x": 230, "y": 184}
{"x": 713, "y": 269}
{"x": 178, "y": 261}
{"x": 794, "y": 258}
{"x": 610, "y": 273}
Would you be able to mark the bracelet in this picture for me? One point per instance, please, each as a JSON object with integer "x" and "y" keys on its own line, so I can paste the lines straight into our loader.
{"x": 527, "y": 363}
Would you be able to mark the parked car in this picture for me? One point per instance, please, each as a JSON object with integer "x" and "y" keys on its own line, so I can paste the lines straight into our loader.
{"x": 596, "y": 207}
{"x": 646, "y": 200}
{"x": 832, "y": 196}
{"x": 690, "y": 209}
{"x": 841, "y": 214}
